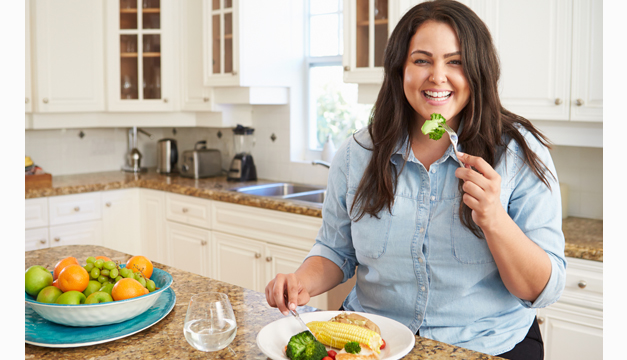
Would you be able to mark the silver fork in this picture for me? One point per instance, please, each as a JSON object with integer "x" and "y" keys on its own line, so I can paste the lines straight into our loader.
{"x": 453, "y": 136}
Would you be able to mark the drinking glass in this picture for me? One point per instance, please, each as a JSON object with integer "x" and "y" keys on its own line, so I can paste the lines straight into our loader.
{"x": 210, "y": 323}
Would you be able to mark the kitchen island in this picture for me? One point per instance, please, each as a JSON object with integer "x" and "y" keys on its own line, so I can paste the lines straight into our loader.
{"x": 165, "y": 339}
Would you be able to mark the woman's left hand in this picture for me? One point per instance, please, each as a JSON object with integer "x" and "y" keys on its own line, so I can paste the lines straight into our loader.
{"x": 482, "y": 191}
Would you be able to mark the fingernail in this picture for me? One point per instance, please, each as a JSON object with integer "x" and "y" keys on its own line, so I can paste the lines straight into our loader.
{"x": 292, "y": 306}
{"x": 284, "y": 313}
{"x": 460, "y": 154}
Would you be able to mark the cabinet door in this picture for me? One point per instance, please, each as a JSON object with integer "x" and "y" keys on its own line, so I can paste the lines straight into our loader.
{"x": 83, "y": 233}
{"x": 571, "y": 332}
{"x": 67, "y": 209}
{"x": 36, "y": 239}
{"x": 120, "y": 220}
{"x": 221, "y": 41}
{"x": 587, "y": 81}
{"x": 189, "y": 248}
{"x": 152, "y": 222}
{"x": 27, "y": 88}
{"x": 140, "y": 55}
{"x": 238, "y": 260}
{"x": 284, "y": 260}
{"x": 69, "y": 47}
{"x": 534, "y": 45}
{"x": 36, "y": 212}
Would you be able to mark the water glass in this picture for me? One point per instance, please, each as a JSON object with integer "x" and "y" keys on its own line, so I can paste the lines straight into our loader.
{"x": 210, "y": 322}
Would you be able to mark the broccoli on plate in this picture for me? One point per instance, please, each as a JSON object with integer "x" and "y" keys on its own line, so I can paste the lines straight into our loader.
{"x": 304, "y": 346}
{"x": 433, "y": 127}
{"x": 352, "y": 347}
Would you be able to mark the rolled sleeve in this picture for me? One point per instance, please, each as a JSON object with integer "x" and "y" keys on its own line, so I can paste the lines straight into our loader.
{"x": 536, "y": 209}
{"x": 334, "y": 240}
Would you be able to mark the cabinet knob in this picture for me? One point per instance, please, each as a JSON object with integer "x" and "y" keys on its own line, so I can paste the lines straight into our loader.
{"x": 45, "y": 100}
{"x": 540, "y": 320}
{"x": 205, "y": 99}
{"x": 578, "y": 102}
{"x": 165, "y": 100}
{"x": 57, "y": 239}
{"x": 77, "y": 209}
{"x": 582, "y": 284}
{"x": 203, "y": 242}
{"x": 43, "y": 241}
{"x": 268, "y": 258}
{"x": 558, "y": 101}
{"x": 108, "y": 204}
{"x": 27, "y": 100}
{"x": 234, "y": 73}
{"x": 257, "y": 255}
{"x": 347, "y": 68}
{"x": 185, "y": 210}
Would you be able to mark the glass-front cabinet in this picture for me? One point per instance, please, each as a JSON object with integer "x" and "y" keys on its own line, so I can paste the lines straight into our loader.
{"x": 140, "y": 55}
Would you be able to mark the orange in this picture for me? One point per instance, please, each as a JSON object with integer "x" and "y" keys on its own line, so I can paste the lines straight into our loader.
{"x": 62, "y": 264}
{"x": 103, "y": 258}
{"x": 73, "y": 277}
{"x": 140, "y": 263}
{"x": 56, "y": 283}
{"x": 127, "y": 288}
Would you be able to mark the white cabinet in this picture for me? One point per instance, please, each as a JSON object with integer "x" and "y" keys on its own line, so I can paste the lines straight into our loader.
{"x": 69, "y": 53}
{"x": 188, "y": 210}
{"x": 73, "y": 208}
{"x": 152, "y": 224}
{"x": 188, "y": 248}
{"x": 27, "y": 72}
{"x": 572, "y": 328}
{"x": 121, "y": 220}
{"x": 36, "y": 239}
{"x": 36, "y": 212}
{"x": 82, "y": 233}
{"x": 141, "y": 50}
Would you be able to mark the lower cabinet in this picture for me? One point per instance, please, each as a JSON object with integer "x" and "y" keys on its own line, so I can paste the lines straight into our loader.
{"x": 83, "y": 233}
{"x": 572, "y": 328}
{"x": 36, "y": 239}
{"x": 120, "y": 220}
{"x": 152, "y": 224}
{"x": 188, "y": 248}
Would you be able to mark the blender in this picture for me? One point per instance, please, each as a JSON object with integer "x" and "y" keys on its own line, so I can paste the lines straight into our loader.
{"x": 242, "y": 166}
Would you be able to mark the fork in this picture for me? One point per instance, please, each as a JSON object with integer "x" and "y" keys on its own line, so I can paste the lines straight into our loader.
{"x": 453, "y": 136}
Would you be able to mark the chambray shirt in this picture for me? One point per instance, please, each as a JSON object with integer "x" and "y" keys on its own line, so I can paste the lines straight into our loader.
{"x": 420, "y": 266}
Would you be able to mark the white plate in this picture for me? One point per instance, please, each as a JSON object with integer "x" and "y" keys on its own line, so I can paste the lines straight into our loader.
{"x": 273, "y": 338}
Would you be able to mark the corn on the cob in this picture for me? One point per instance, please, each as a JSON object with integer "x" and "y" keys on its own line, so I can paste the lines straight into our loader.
{"x": 337, "y": 334}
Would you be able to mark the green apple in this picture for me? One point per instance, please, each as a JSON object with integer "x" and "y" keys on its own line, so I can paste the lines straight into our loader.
{"x": 71, "y": 297}
{"x": 106, "y": 288}
{"x": 98, "y": 297}
{"x": 92, "y": 287}
{"x": 49, "y": 294}
{"x": 37, "y": 277}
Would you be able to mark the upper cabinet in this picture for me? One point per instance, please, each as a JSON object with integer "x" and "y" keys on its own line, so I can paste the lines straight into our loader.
{"x": 247, "y": 43}
{"x": 140, "y": 55}
{"x": 27, "y": 87}
{"x": 69, "y": 52}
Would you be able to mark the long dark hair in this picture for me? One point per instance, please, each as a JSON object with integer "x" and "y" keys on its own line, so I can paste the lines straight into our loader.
{"x": 486, "y": 122}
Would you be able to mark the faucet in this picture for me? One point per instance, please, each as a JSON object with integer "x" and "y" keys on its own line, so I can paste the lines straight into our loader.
{"x": 133, "y": 157}
{"x": 320, "y": 162}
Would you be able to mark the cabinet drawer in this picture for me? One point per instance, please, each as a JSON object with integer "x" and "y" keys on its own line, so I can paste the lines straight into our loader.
{"x": 36, "y": 213}
{"x": 84, "y": 233}
{"x": 73, "y": 208}
{"x": 584, "y": 283}
{"x": 276, "y": 227}
{"x": 36, "y": 239}
{"x": 188, "y": 210}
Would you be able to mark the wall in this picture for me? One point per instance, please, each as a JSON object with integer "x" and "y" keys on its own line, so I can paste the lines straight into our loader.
{"x": 62, "y": 152}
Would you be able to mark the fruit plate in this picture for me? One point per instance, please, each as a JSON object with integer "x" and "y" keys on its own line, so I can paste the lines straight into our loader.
{"x": 104, "y": 313}
{"x": 41, "y": 332}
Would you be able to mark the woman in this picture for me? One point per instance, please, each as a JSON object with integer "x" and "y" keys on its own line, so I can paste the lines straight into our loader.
{"x": 462, "y": 255}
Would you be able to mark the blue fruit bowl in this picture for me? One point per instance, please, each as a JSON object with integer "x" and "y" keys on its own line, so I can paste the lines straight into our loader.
{"x": 102, "y": 313}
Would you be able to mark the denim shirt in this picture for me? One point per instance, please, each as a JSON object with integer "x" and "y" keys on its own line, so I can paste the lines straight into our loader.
{"x": 420, "y": 266}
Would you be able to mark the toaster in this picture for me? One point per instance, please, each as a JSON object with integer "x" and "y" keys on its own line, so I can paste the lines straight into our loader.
{"x": 201, "y": 162}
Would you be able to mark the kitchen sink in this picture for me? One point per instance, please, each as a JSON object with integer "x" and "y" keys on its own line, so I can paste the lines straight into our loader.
{"x": 307, "y": 193}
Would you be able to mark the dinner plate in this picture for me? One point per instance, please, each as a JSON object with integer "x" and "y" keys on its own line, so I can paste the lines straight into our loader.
{"x": 273, "y": 338}
{"x": 42, "y": 332}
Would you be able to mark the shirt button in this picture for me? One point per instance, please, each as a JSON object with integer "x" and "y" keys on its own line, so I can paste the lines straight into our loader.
{"x": 433, "y": 171}
{"x": 420, "y": 260}
{"x": 433, "y": 198}
{"x": 422, "y": 288}
{"x": 422, "y": 230}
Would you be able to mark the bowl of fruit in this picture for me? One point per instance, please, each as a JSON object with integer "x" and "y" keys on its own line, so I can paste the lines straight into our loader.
{"x": 100, "y": 292}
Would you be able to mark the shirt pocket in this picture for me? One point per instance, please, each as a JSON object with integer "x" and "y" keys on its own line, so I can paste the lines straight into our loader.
{"x": 369, "y": 234}
{"x": 467, "y": 248}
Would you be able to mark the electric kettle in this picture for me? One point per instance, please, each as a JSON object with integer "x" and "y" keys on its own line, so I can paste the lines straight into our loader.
{"x": 167, "y": 156}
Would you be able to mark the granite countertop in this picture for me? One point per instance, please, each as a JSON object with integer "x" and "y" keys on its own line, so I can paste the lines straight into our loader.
{"x": 165, "y": 339}
{"x": 584, "y": 237}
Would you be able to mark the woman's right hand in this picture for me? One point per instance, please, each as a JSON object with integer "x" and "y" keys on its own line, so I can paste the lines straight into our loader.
{"x": 286, "y": 288}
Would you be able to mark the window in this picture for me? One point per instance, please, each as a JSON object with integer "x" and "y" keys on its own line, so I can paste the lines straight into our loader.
{"x": 332, "y": 104}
